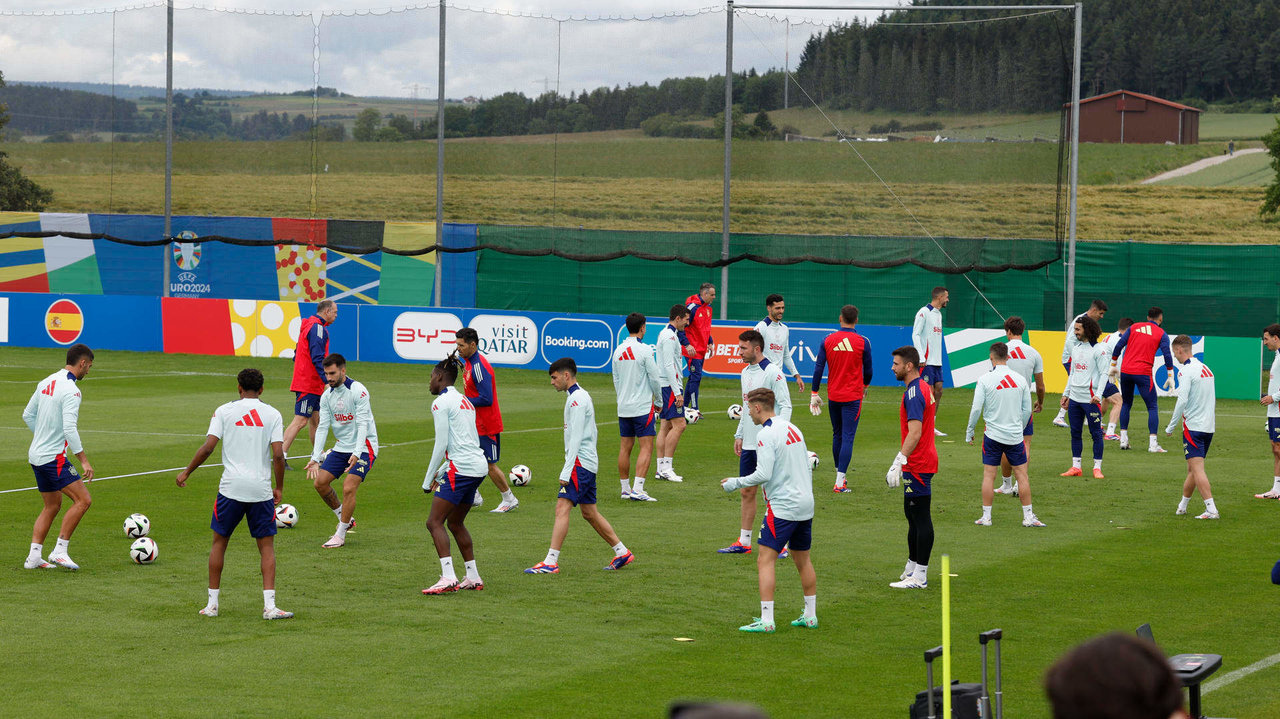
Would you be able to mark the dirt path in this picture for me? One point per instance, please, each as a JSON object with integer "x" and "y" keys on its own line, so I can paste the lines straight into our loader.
{"x": 1200, "y": 165}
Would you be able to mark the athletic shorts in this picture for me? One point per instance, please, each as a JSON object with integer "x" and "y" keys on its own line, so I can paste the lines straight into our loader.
{"x": 581, "y": 488}
{"x": 336, "y": 464}
{"x": 228, "y": 512}
{"x": 916, "y": 484}
{"x": 55, "y": 475}
{"x": 641, "y": 426}
{"x": 459, "y": 490}
{"x": 491, "y": 446}
{"x": 777, "y": 533}
{"x": 1273, "y": 428}
{"x": 931, "y": 374}
{"x": 1030, "y": 429}
{"x": 306, "y": 404}
{"x": 746, "y": 462}
{"x": 669, "y": 408}
{"x": 993, "y": 451}
{"x": 1195, "y": 444}
{"x": 1110, "y": 389}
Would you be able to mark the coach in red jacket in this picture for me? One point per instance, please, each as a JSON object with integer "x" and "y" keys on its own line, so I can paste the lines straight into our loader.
{"x": 696, "y": 342}
{"x": 308, "y": 371}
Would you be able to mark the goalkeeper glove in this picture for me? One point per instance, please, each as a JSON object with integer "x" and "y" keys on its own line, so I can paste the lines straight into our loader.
{"x": 815, "y": 404}
{"x": 1114, "y": 373}
{"x": 894, "y": 477}
{"x": 1168, "y": 382}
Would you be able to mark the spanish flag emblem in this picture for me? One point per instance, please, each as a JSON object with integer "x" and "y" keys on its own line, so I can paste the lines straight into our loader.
{"x": 64, "y": 321}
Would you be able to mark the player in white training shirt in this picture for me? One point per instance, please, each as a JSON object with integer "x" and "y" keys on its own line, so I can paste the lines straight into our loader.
{"x": 1271, "y": 400}
{"x": 1002, "y": 398}
{"x": 1111, "y": 395}
{"x": 346, "y": 407}
{"x": 1195, "y": 414}
{"x": 671, "y": 411}
{"x": 1026, "y": 362}
{"x": 1083, "y": 395}
{"x": 1097, "y": 310}
{"x": 252, "y": 434}
{"x": 777, "y": 337}
{"x": 926, "y": 337}
{"x": 53, "y": 415}
{"x": 456, "y": 471}
{"x": 636, "y": 384}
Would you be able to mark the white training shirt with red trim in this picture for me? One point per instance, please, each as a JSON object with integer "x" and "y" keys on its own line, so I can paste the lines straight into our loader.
{"x": 1089, "y": 366}
{"x": 346, "y": 410}
{"x": 926, "y": 335}
{"x": 635, "y": 378}
{"x": 247, "y": 427}
{"x": 580, "y": 433}
{"x": 457, "y": 445}
{"x": 52, "y": 415}
{"x": 782, "y": 466}
{"x": 1197, "y": 399}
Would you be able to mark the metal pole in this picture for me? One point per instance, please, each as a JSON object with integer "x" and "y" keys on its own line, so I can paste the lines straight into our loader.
{"x": 728, "y": 157}
{"x": 1070, "y": 299}
{"x": 168, "y": 142}
{"x": 440, "y": 165}
{"x": 786, "y": 75}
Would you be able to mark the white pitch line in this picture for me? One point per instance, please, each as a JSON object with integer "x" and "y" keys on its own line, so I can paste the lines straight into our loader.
{"x": 1238, "y": 674}
{"x": 119, "y": 431}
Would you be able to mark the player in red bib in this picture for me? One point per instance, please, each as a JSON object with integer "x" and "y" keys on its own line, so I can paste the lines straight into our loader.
{"x": 846, "y": 357}
{"x": 915, "y": 465}
{"x": 308, "y": 372}
{"x": 479, "y": 387}
{"x": 1139, "y": 344}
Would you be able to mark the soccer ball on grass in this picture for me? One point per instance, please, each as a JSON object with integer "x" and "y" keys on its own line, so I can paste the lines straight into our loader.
{"x": 520, "y": 475}
{"x": 735, "y": 411}
{"x": 814, "y": 460}
{"x": 286, "y": 516}
{"x": 136, "y": 525}
{"x": 692, "y": 415}
{"x": 144, "y": 550}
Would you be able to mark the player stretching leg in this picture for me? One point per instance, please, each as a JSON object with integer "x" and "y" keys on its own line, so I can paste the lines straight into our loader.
{"x": 578, "y": 476}
{"x": 52, "y": 414}
{"x": 914, "y": 467}
{"x": 344, "y": 406}
{"x": 782, "y": 467}
{"x": 1097, "y": 310}
{"x": 457, "y": 469}
{"x": 926, "y": 337}
{"x": 1025, "y": 361}
{"x": 671, "y": 415}
{"x": 1002, "y": 399}
{"x": 1195, "y": 412}
{"x": 636, "y": 384}
{"x": 1082, "y": 398}
{"x": 848, "y": 355}
{"x": 1139, "y": 344}
{"x": 1271, "y": 400}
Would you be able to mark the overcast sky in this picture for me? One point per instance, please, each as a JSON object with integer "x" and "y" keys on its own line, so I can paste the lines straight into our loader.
{"x": 367, "y": 50}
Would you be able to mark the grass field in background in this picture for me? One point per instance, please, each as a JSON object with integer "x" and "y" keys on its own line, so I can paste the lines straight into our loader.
{"x": 585, "y": 642}
{"x": 1244, "y": 171}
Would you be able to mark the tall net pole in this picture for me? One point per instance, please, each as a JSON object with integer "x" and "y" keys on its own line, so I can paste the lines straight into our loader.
{"x": 728, "y": 158}
{"x": 1070, "y": 299}
{"x": 439, "y": 294}
{"x": 168, "y": 142}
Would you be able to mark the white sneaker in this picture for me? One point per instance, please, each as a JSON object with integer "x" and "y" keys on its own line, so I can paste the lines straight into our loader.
{"x": 505, "y": 507}
{"x": 478, "y": 501}
{"x": 1270, "y": 494}
{"x": 669, "y": 476}
{"x": 275, "y": 613}
{"x": 1180, "y": 510}
{"x": 1207, "y": 515}
{"x": 334, "y": 542}
{"x": 63, "y": 560}
{"x": 1006, "y": 489}
{"x": 1157, "y": 449}
{"x": 1059, "y": 422}
{"x": 37, "y": 563}
{"x": 906, "y": 574}
{"x": 910, "y": 583}
{"x": 1032, "y": 521}
{"x": 982, "y": 521}
{"x": 938, "y": 433}
{"x": 1124, "y": 444}
{"x": 209, "y": 611}
{"x": 639, "y": 496}
{"x": 626, "y": 495}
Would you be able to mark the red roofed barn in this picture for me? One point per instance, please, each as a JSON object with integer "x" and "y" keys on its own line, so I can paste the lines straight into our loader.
{"x": 1123, "y": 116}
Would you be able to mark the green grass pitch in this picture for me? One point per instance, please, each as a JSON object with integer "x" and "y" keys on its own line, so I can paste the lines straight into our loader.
{"x": 115, "y": 637}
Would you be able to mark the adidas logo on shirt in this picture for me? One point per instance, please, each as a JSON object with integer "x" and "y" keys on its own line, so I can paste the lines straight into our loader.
{"x": 627, "y": 355}
{"x": 792, "y": 436}
{"x": 1017, "y": 353}
{"x": 843, "y": 345}
{"x": 1007, "y": 383}
{"x": 1204, "y": 372}
{"x": 49, "y": 390}
{"x": 250, "y": 420}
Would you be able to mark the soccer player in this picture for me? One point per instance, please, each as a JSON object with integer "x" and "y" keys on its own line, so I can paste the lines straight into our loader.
{"x": 480, "y": 388}
{"x": 345, "y": 405}
{"x": 1195, "y": 411}
{"x": 1097, "y": 310}
{"x": 782, "y": 467}
{"x": 671, "y": 417}
{"x": 1025, "y": 361}
{"x": 926, "y": 337}
{"x": 456, "y": 470}
{"x": 696, "y": 339}
{"x": 636, "y": 384}
{"x": 1083, "y": 396}
{"x": 1111, "y": 395}
{"x": 1271, "y": 400}
{"x": 914, "y": 466}
{"x": 252, "y": 434}
{"x": 777, "y": 337}
{"x": 1139, "y": 345}
{"x": 1002, "y": 399}
{"x": 578, "y": 476}
{"x": 758, "y": 373}
{"x": 52, "y": 414}
{"x": 849, "y": 356}
{"x": 308, "y": 372}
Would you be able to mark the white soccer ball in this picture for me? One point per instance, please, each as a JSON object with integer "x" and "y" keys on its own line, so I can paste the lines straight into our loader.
{"x": 136, "y": 525}
{"x": 735, "y": 411}
{"x": 520, "y": 475}
{"x": 144, "y": 550}
{"x": 286, "y": 516}
{"x": 692, "y": 415}
{"x": 814, "y": 460}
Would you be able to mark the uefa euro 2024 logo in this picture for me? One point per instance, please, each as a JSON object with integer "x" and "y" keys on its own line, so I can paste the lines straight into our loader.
{"x": 186, "y": 254}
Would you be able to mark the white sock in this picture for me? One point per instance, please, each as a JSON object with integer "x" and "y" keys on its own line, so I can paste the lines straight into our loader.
{"x": 663, "y": 463}
{"x": 60, "y": 548}
{"x": 1097, "y": 464}
{"x": 1124, "y": 435}
{"x": 811, "y": 605}
{"x": 840, "y": 480}
{"x": 1275, "y": 487}
{"x": 1210, "y": 506}
{"x": 472, "y": 573}
{"x": 446, "y": 569}
{"x": 626, "y": 486}
{"x": 766, "y": 612}
{"x": 986, "y": 512}
{"x": 1026, "y": 512}
{"x": 922, "y": 573}
{"x": 910, "y": 568}
{"x": 338, "y": 512}
{"x": 1075, "y": 462}
{"x": 1182, "y": 505}
{"x": 1111, "y": 428}
{"x": 1006, "y": 482}
{"x": 619, "y": 549}
{"x": 1062, "y": 413}
{"x": 509, "y": 497}
{"x": 38, "y": 549}
{"x": 553, "y": 557}
{"x": 1152, "y": 440}
{"x": 268, "y": 598}
{"x": 744, "y": 536}
{"x": 342, "y": 529}
{"x": 638, "y": 484}
{"x": 213, "y": 598}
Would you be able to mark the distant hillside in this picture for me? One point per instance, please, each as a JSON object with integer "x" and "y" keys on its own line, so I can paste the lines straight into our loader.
{"x": 130, "y": 92}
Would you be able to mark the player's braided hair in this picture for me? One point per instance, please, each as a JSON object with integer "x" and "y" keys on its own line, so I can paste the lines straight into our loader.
{"x": 448, "y": 367}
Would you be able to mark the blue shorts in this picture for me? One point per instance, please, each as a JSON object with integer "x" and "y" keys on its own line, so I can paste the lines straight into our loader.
{"x": 1110, "y": 389}
{"x": 581, "y": 488}
{"x": 778, "y": 533}
{"x": 336, "y": 464}
{"x": 1273, "y": 428}
{"x": 459, "y": 490}
{"x": 306, "y": 404}
{"x": 746, "y": 462}
{"x": 1196, "y": 444}
{"x": 992, "y": 451}
{"x": 641, "y": 426}
{"x": 55, "y": 475}
{"x": 916, "y": 484}
{"x": 491, "y": 446}
{"x": 931, "y": 374}
{"x": 227, "y": 514}
{"x": 669, "y": 408}
{"x": 1030, "y": 429}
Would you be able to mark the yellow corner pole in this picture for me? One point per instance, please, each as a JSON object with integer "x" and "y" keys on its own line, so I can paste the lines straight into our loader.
{"x": 946, "y": 636}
